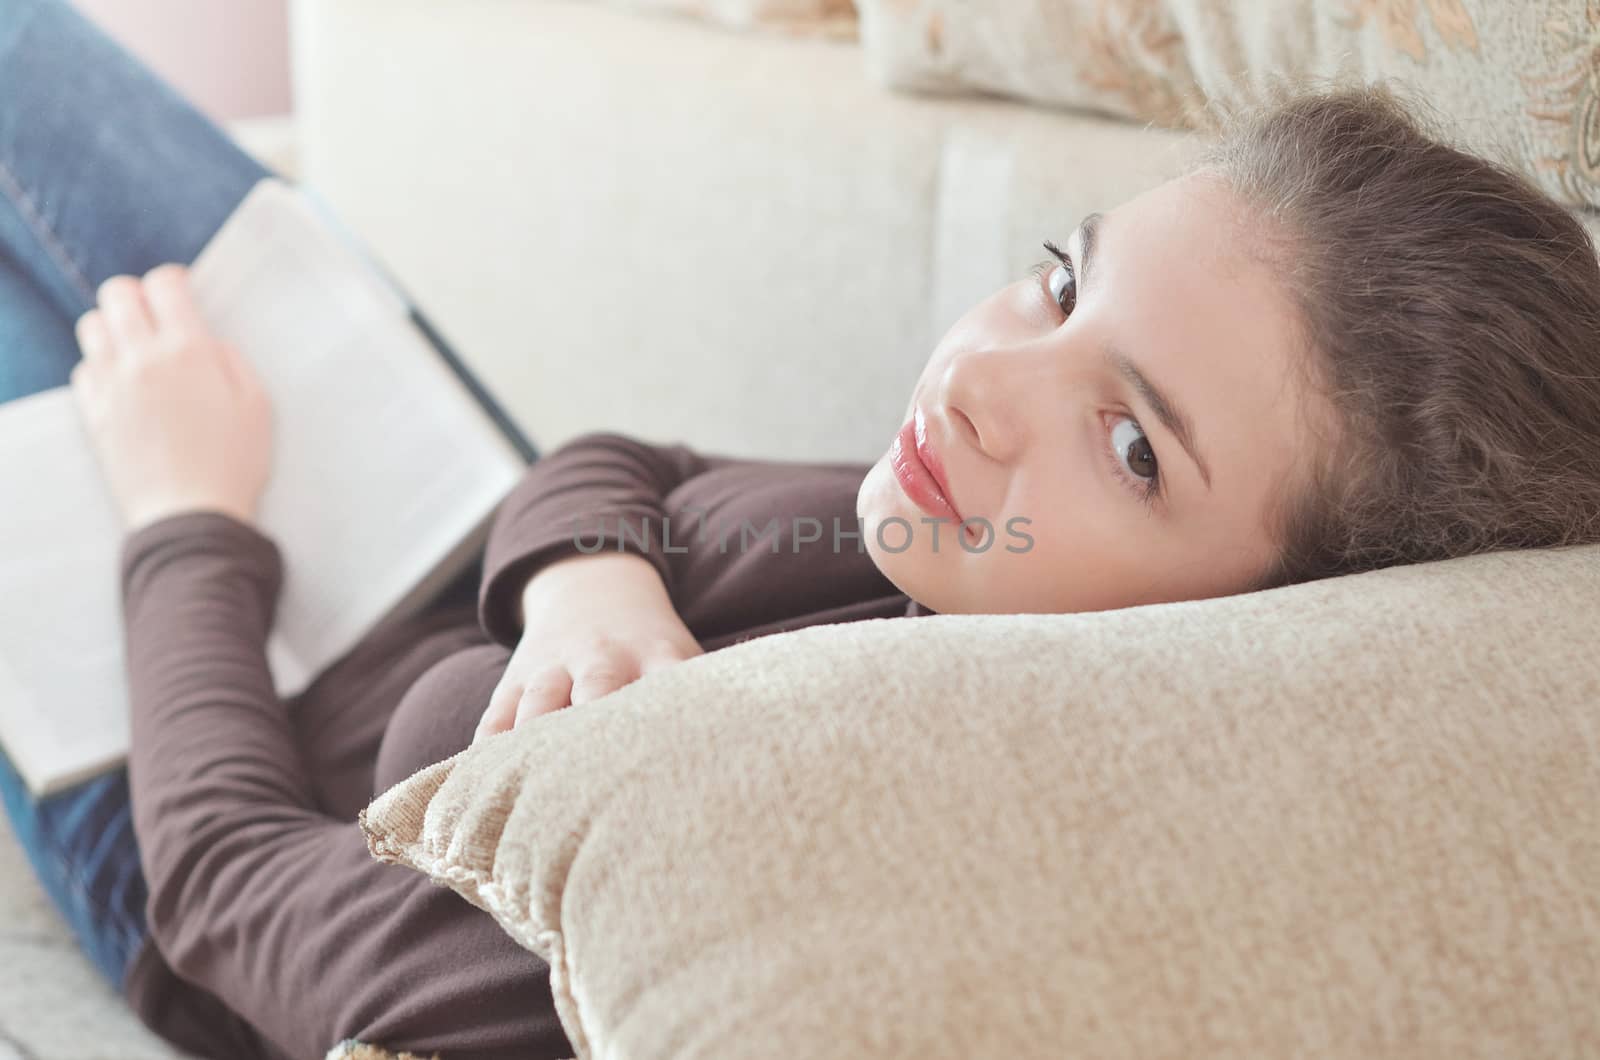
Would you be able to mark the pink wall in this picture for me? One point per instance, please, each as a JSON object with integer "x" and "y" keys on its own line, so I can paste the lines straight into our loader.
{"x": 231, "y": 57}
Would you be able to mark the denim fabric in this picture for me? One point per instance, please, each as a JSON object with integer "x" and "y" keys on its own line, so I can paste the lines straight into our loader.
{"x": 104, "y": 170}
{"x": 82, "y": 848}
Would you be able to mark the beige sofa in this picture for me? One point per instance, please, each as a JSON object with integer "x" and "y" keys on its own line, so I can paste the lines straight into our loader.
{"x": 738, "y": 241}
{"x": 792, "y": 239}
{"x": 743, "y": 242}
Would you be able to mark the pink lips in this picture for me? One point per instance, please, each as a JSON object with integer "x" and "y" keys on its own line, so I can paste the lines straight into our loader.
{"x": 931, "y": 461}
{"x": 915, "y": 467}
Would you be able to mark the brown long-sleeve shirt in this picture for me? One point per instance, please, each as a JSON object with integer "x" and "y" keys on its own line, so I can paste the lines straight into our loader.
{"x": 273, "y": 933}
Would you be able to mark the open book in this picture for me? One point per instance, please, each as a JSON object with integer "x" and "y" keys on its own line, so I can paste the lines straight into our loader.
{"x": 389, "y": 460}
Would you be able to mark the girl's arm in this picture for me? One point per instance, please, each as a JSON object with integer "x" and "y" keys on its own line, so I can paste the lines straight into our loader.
{"x": 273, "y": 907}
{"x": 590, "y": 487}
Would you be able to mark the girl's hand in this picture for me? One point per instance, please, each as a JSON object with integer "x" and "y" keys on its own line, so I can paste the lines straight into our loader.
{"x": 178, "y": 418}
{"x": 592, "y": 623}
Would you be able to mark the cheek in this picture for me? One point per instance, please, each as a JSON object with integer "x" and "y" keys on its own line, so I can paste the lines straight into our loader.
{"x": 1049, "y": 499}
{"x": 1072, "y": 554}
{"x": 1064, "y": 492}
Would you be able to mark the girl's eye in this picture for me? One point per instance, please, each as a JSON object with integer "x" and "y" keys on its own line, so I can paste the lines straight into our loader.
{"x": 1063, "y": 288}
{"x": 1133, "y": 460}
{"x": 1059, "y": 279}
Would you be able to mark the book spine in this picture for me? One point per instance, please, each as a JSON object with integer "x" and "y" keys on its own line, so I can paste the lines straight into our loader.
{"x": 475, "y": 387}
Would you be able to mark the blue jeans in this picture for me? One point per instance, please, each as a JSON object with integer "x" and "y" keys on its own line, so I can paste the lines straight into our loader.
{"x": 104, "y": 170}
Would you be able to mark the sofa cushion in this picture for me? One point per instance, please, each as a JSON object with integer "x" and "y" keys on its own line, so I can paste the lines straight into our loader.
{"x": 1520, "y": 80}
{"x": 1350, "y": 818}
{"x": 834, "y": 19}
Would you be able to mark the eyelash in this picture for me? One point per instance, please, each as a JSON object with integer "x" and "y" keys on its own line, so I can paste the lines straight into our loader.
{"x": 1143, "y": 490}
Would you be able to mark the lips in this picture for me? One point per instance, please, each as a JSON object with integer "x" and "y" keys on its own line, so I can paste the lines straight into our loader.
{"x": 915, "y": 476}
{"x": 931, "y": 461}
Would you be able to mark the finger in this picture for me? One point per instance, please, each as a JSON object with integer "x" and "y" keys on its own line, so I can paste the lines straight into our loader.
{"x": 502, "y": 709}
{"x": 547, "y": 693}
{"x": 126, "y": 312}
{"x": 599, "y": 681}
{"x": 660, "y": 661}
{"x": 171, "y": 300}
{"x": 94, "y": 338}
{"x": 82, "y": 381}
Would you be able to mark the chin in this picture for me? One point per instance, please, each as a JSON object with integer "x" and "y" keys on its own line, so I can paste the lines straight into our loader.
{"x": 913, "y": 571}
{"x": 904, "y": 569}
{"x": 880, "y": 497}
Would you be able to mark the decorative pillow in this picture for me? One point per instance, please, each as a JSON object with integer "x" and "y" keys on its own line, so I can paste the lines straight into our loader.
{"x": 1352, "y": 818}
{"x": 350, "y": 1049}
{"x": 1520, "y": 79}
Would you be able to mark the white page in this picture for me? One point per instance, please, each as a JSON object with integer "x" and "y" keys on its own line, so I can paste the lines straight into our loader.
{"x": 383, "y": 468}
{"x": 417, "y": 465}
{"x": 63, "y": 694}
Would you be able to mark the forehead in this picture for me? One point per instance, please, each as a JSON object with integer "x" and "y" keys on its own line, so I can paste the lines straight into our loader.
{"x": 1176, "y": 284}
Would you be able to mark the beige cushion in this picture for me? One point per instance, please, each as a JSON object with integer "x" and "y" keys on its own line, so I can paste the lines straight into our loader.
{"x": 834, "y": 19}
{"x": 1521, "y": 80}
{"x": 1354, "y": 818}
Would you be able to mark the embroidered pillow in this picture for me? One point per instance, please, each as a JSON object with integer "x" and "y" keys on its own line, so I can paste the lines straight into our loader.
{"x": 1521, "y": 80}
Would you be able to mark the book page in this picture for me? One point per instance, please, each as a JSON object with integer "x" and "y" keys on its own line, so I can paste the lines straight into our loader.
{"x": 63, "y": 696}
{"x": 384, "y": 469}
{"x": 382, "y": 461}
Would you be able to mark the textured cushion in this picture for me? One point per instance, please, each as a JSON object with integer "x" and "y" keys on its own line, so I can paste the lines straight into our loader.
{"x": 350, "y": 1049}
{"x": 1522, "y": 80}
{"x": 1352, "y": 818}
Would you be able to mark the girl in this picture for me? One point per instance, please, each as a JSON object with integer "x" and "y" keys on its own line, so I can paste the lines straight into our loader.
{"x": 1336, "y": 344}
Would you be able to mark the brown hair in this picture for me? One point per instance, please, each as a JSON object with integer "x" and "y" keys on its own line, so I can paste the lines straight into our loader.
{"x": 1452, "y": 313}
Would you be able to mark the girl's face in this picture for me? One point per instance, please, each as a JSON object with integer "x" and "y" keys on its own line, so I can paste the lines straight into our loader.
{"x": 1119, "y": 420}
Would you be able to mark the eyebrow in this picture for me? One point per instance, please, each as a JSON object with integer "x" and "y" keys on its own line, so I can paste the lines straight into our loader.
{"x": 1168, "y": 411}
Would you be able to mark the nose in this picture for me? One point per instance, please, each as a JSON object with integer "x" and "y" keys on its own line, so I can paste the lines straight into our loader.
{"x": 984, "y": 394}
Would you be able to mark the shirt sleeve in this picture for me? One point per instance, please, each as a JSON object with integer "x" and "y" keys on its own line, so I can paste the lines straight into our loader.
{"x": 601, "y": 490}
{"x": 273, "y": 907}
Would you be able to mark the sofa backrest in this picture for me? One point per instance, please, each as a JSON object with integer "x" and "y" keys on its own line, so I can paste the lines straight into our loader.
{"x": 654, "y": 225}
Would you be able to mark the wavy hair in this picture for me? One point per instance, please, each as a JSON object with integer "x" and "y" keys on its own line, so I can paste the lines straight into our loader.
{"x": 1451, "y": 313}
